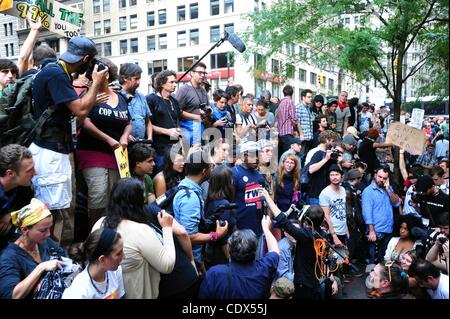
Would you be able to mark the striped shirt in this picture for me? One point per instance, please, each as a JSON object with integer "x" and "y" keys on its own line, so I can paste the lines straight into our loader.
{"x": 287, "y": 117}
{"x": 304, "y": 114}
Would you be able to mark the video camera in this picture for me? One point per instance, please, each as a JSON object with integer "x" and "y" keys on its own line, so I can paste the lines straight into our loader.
{"x": 101, "y": 66}
{"x": 209, "y": 224}
{"x": 428, "y": 237}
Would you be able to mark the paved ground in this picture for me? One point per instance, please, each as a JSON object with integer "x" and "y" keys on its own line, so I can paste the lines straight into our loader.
{"x": 356, "y": 289}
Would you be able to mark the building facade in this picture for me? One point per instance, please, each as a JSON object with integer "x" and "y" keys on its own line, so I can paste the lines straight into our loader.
{"x": 9, "y": 43}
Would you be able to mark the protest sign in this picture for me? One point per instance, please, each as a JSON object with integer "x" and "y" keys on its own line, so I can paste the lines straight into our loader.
{"x": 417, "y": 118}
{"x": 122, "y": 161}
{"x": 5, "y": 5}
{"x": 407, "y": 137}
{"x": 55, "y": 16}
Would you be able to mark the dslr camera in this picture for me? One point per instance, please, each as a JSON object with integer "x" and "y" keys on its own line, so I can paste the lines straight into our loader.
{"x": 101, "y": 66}
{"x": 335, "y": 153}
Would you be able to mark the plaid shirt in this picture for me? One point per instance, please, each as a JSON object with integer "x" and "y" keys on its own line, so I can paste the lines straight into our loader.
{"x": 304, "y": 114}
{"x": 427, "y": 159}
{"x": 287, "y": 117}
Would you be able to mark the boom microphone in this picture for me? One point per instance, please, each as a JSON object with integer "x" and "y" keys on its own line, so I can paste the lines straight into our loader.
{"x": 235, "y": 41}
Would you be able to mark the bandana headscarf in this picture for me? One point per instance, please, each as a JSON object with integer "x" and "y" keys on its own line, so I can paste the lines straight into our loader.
{"x": 30, "y": 214}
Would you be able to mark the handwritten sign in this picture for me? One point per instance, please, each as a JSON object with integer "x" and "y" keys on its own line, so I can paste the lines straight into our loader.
{"x": 407, "y": 137}
{"x": 58, "y": 18}
{"x": 122, "y": 162}
{"x": 417, "y": 118}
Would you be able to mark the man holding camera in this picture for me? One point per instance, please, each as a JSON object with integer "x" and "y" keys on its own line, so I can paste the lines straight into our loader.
{"x": 430, "y": 200}
{"x": 54, "y": 94}
{"x": 438, "y": 253}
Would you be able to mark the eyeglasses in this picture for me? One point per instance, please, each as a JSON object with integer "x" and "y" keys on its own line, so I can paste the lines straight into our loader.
{"x": 201, "y": 72}
{"x": 388, "y": 265}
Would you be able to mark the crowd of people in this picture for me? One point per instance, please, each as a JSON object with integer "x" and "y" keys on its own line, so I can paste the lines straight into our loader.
{"x": 231, "y": 195}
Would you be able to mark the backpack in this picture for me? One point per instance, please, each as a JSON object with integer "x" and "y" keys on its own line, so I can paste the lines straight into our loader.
{"x": 17, "y": 124}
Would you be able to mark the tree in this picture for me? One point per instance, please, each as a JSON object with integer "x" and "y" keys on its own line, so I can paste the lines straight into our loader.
{"x": 376, "y": 49}
{"x": 387, "y": 31}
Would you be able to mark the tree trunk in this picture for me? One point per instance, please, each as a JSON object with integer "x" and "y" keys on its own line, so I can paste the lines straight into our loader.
{"x": 397, "y": 108}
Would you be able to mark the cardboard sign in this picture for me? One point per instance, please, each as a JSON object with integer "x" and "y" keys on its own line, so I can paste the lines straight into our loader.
{"x": 58, "y": 18}
{"x": 122, "y": 162}
{"x": 407, "y": 137}
{"x": 417, "y": 118}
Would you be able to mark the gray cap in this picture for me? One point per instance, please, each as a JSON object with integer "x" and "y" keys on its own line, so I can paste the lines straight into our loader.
{"x": 354, "y": 174}
{"x": 349, "y": 139}
{"x": 78, "y": 47}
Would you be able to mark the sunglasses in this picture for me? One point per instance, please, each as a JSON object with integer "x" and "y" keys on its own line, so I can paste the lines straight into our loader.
{"x": 389, "y": 265}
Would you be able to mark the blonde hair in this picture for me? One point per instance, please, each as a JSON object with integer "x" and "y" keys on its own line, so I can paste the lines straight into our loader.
{"x": 295, "y": 171}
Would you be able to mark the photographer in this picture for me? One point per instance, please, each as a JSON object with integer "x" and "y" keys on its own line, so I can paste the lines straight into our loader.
{"x": 220, "y": 195}
{"x": 438, "y": 254}
{"x": 327, "y": 154}
{"x": 188, "y": 206}
{"x": 430, "y": 200}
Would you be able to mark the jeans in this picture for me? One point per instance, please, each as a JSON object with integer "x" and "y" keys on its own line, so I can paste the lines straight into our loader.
{"x": 377, "y": 249}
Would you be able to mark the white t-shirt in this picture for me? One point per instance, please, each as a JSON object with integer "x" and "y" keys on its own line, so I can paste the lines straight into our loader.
{"x": 310, "y": 154}
{"x": 336, "y": 203}
{"x": 82, "y": 287}
{"x": 442, "y": 290}
{"x": 407, "y": 206}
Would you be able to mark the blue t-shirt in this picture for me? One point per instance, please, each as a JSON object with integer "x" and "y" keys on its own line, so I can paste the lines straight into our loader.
{"x": 16, "y": 264}
{"x": 53, "y": 86}
{"x": 248, "y": 281}
{"x": 139, "y": 112}
{"x": 246, "y": 183}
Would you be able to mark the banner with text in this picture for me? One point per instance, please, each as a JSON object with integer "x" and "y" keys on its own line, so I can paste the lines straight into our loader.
{"x": 122, "y": 161}
{"x": 55, "y": 16}
{"x": 407, "y": 137}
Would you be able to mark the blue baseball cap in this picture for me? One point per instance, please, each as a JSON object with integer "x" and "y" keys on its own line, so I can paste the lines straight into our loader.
{"x": 79, "y": 47}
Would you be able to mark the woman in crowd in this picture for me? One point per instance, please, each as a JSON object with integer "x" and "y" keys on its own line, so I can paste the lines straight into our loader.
{"x": 262, "y": 114}
{"x": 287, "y": 182}
{"x": 405, "y": 241}
{"x": 220, "y": 193}
{"x": 171, "y": 175}
{"x": 106, "y": 128}
{"x": 102, "y": 277}
{"x": 24, "y": 261}
{"x": 147, "y": 252}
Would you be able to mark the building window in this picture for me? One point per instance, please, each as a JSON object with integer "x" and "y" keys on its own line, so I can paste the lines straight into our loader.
{"x": 256, "y": 5}
{"x": 106, "y": 5}
{"x": 123, "y": 46}
{"x": 162, "y": 41}
{"x": 107, "y": 49}
{"x": 331, "y": 85}
{"x": 123, "y": 23}
{"x": 11, "y": 46}
{"x": 214, "y": 32}
{"x": 302, "y": 75}
{"x": 276, "y": 66}
{"x": 133, "y": 21}
{"x": 97, "y": 28}
{"x": 215, "y": 8}
{"x": 10, "y": 28}
{"x": 6, "y": 50}
{"x": 290, "y": 71}
{"x": 122, "y": 3}
{"x": 54, "y": 44}
{"x": 150, "y": 19}
{"x": 181, "y": 13}
{"x": 151, "y": 43}
{"x": 98, "y": 46}
{"x": 181, "y": 39}
{"x": 313, "y": 78}
{"x": 162, "y": 16}
{"x": 6, "y": 29}
{"x": 193, "y": 37}
{"x": 259, "y": 62}
{"x": 229, "y": 6}
{"x": 133, "y": 2}
{"x": 134, "y": 48}
{"x": 186, "y": 62}
{"x": 157, "y": 66}
{"x": 107, "y": 26}
{"x": 220, "y": 60}
{"x": 193, "y": 7}
{"x": 96, "y": 5}
{"x": 229, "y": 27}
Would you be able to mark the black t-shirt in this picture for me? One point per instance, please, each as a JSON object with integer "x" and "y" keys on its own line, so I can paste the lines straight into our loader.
{"x": 437, "y": 205}
{"x": 110, "y": 120}
{"x": 52, "y": 86}
{"x": 319, "y": 180}
{"x": 165, "y": 114}
{"x": 367, "y": 154}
